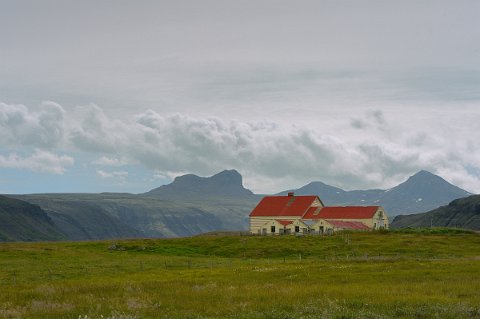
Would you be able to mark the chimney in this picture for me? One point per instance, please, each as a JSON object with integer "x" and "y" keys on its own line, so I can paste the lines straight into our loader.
{"x": 291, "y": 194}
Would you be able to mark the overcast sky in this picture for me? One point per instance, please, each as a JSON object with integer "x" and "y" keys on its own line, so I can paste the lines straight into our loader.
{"x": 126, "y": 95}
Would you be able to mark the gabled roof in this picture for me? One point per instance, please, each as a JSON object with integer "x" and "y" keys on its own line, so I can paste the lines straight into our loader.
{"x": 341, "y": 212}
{"x": 283, "y": 206}
{"x": 284, "y": 222}
{"x": 348, "y": 225}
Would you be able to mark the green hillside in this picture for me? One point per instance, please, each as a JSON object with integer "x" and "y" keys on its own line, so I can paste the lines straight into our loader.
{"x": 414, "y": 274}
{"x": 115, "y": 215}
{"x": 463, "y": 213}
{"x": 22, "y": 221}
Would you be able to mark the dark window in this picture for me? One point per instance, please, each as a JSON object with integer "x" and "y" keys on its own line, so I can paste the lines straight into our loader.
{"x": 297, "y": 229}
{"x": 272, "y": 229}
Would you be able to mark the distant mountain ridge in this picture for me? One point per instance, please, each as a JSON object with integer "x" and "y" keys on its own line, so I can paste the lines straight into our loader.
{"x": 419, "y": 193}
{"x": 228, "y": 184}
{"x": 191, "y": 205}
{"x": 462, "y": 213}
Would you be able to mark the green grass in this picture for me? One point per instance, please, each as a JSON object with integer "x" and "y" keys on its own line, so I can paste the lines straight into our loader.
{"x": 400, "y": 274}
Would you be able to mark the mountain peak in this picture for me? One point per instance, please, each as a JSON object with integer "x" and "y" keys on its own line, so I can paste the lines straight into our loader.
{"x": 423, "y": 174}
{"x": 227, "y": 183}
{"x": 228, "y": 174}
{"x": 424, "y": 181}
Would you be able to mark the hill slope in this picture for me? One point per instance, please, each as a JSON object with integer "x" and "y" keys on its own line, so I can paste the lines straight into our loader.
{"x": 188, "y": 206}
{"x": 419, "y": 193}
{"x": 22, "y": 221}
{"x": 98, "y": 216}
{"x": 463, "y": 213}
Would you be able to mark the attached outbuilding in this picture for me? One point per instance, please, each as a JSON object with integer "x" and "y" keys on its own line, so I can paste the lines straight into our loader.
{"x": 373, "y": 217}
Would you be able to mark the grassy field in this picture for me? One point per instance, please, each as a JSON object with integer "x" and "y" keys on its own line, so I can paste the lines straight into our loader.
{"x": 408, "y": 274}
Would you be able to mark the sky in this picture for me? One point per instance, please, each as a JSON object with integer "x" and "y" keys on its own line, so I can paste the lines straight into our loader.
{"x": 123, "y": 96}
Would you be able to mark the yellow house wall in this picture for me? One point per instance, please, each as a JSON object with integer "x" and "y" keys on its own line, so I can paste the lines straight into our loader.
{"x": 273, "y": 222}
{"x": 303, "y": 227}
{"x": 257, "y": 223}
{"x": 322, "y": 222}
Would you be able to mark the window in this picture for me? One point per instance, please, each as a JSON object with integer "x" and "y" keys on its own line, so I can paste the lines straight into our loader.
{"x": 272, "y": 229}
{"x": 297, "y": 229}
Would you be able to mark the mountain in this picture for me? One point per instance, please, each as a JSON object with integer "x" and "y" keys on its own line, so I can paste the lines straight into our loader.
{"x": 22, "y": 221}
{"x": 422, "y": 192}
{"x": 463, "y": 213}
{"x": 102, "y": 216}
{"x": 419, "y": 193}
{"x": 226, "y": 184}
{"x": 191, "y": 205}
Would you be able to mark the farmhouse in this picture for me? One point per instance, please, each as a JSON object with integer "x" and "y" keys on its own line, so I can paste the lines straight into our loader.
{"x": 292, "y": 214}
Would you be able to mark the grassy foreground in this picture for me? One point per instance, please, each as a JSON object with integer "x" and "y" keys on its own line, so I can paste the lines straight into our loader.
{"x": 424, "y": 274}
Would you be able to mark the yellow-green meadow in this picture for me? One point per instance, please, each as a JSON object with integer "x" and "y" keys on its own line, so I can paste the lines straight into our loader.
{"x": 408, "y": 274}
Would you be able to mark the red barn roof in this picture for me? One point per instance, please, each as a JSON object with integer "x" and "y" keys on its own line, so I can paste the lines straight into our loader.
{"x": 343, "y": 212}
{"x": 348, "y": 225}
{"x": 283, "y": 206}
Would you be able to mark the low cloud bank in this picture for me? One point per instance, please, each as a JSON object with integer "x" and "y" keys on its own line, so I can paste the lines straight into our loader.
{"x": 367, "y": 151}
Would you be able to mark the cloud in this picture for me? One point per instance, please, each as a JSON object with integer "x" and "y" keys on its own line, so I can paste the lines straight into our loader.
{"x": 119, "y": 176}
{"x": 382, "y": 149}
{"x": 41, "y": 127}
{"x": 93, "y": 131}
{"x": 39, "y": 161}
{"x": 109, "y": 161}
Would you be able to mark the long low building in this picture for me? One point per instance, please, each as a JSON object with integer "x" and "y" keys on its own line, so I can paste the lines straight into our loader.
{"x": 307, "y": 214}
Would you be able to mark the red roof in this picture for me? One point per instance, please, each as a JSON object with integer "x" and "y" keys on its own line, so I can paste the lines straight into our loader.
{"x": 348, "y": 225}
{"x": 284, "y": 222}
{"x": 343, "y": 212}
{"x": 283, "y": 206}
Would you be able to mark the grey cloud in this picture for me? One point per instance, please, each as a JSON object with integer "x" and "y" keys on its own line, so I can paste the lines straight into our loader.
{"x": 377, "y": 115}
{"x": 265, "y": 152}
{"x": 38, "y": 161}
{"x": 94, "y": 132}
{"x": 119, "y": 177}
{"x": 41, "y": 128}
{"x": 358, "y": 124}
{"x": 374, "y": 118}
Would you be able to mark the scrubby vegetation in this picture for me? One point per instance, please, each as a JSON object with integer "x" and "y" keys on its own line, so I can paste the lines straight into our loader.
{"x": 401, "y": 274}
